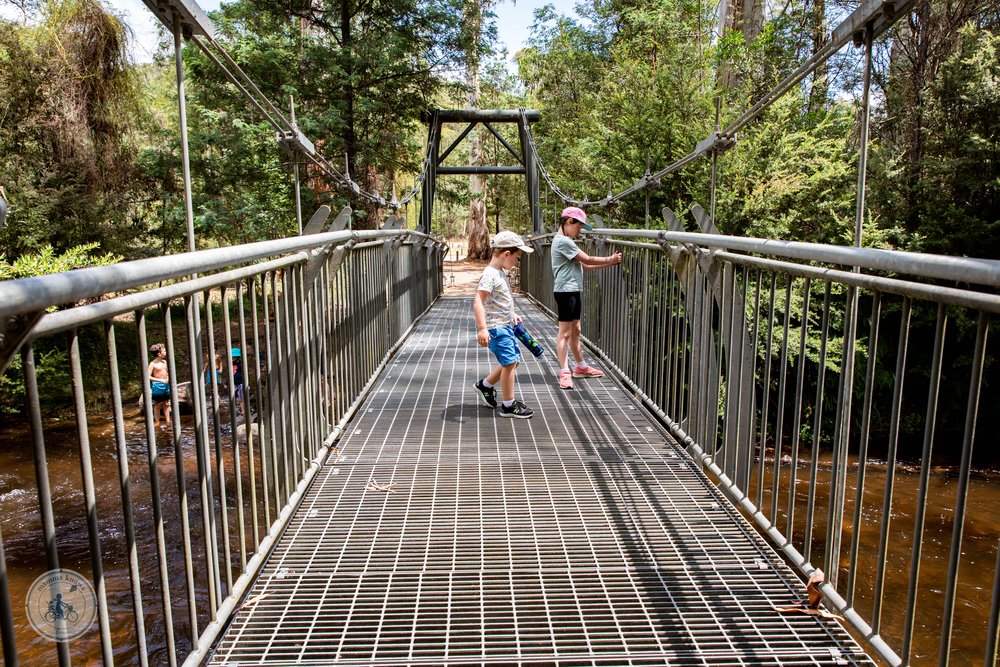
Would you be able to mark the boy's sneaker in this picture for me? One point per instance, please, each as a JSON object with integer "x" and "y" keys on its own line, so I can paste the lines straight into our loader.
{"x": 517, "y": 410}
{"x": 565, "y": 380}
{"x": 587, "y": 372}
{"x": 489, "y": 394}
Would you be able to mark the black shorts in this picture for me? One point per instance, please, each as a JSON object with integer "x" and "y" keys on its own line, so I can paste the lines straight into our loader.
{"x": 569, "y": 305}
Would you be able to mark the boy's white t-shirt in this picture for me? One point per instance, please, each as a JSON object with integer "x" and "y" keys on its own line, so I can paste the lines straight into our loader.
{"x": 499, "y": 304}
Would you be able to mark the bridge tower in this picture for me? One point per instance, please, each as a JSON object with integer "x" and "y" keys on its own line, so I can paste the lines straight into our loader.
{"x": 525, "y": 159}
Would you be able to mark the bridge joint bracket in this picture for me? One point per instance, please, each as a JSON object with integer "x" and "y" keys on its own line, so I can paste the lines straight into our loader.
{"x": 13, "y": 332}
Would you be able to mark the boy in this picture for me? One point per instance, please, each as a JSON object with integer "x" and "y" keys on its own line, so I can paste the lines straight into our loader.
{"x": 495, "y": 320}
{"x": 568, "y": 263}
{"x": 159, "y": 384}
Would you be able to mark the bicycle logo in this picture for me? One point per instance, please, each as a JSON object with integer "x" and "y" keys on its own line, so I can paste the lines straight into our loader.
{"x": 61, "y": 605}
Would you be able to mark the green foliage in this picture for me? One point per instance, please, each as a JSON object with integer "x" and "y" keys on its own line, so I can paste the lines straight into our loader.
{"x": 790, "y": 176}
{"x": 69, "y": 107}
{"x": 614, "y": 89}
{"x": 46, "y": 261}
{"x": 51, "y": 374}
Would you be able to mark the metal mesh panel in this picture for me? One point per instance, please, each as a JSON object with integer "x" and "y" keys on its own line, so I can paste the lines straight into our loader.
{"x": 583, "y": 536}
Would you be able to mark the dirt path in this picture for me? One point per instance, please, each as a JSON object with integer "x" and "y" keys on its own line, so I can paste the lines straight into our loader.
{"x": 461, "y": 278}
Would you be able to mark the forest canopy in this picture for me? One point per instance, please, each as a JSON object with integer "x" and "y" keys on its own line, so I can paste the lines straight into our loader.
{"x": 91, "y": 155}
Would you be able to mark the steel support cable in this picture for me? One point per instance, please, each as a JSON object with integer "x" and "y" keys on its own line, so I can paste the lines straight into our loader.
{"x": 653, "y": 180}
{"x": 235, "y": 81}
{"x": 235, "y": 74}
{"x": 232, "y": 63}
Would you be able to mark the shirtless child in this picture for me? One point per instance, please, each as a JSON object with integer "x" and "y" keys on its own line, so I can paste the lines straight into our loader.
{"x": 159, "y": 385}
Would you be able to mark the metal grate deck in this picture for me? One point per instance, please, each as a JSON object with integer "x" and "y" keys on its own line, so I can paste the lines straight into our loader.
{"x": 583, "y": 536}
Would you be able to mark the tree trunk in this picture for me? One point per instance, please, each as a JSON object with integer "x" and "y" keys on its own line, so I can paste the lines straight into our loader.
{"x": 478, "y": 232}
{"x": 820, "y": 82}
{"x": 350, "y": 133}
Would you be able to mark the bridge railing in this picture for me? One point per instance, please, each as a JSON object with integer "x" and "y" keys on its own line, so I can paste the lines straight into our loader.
{"x": 818, "y": 386}
{"x": 171, "y": 524}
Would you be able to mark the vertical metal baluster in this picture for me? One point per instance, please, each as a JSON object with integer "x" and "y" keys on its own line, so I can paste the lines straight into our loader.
{"x": 866, "y": 413}
{"x": 289, "y": 353}
{"x": 6, "y": 614}
{"x": 249, "y": 380}
{"x": 799, "y": 389}
{"x": 293, "y": 348}
{"x": 677, "y": 342}
{"x": 316, "y": 363}
{"x": 841, "y": 438}
{"x": 685, "y": 339}
{"x": 925, "y": 469}
{"x": 303, "y": 381}
{"x": 220, "y": 462}
{"x": 182, "y": 498}
{"x": 312, "y": 365}
{"x": 324, "y": 333}
{"x": 722, "y": 370}
{"x": 968, "y": 439}
{"x": 993, "y": 628}
{"x": 643, "y": 369}
{"x": 694, "y": 426}
{"x": 754, "y": 461}
{"x": 329, "y": 348}
{"x": 237, "y": 463}
{"x": 125, "y": 486}
{"x": 90, "y": 497}
{"x": 718, "y": 319}
{"x": 817, "y": 422}
{"x": 339, "y": 369}
{"x": 205, "y": 492}
{"x": 41, "y": 476}
{"x": 670, "y": 350}
{"x": 292, "y": 329}
{"x": 259, "y": 395}
{"x": 700, "y": 359}
{"x": 349, "y": 341}
{"x": 153, "y": 459}
{"x": 659, "y": 327}
{"x": 211, "y": 380}
{"x": 766, "y": 404}
{"x": 275, "y": 407}
{"x": 336, "y": 347}
{"x": 284, "y": 408}
{"x": 734, "y": 373}
{"x": 890, "y": 466}
{"x": 710, "y": 400}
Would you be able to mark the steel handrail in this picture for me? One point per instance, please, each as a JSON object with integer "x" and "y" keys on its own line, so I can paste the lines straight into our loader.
{"x": 26, "y": 295}
{"x": 924, "y": 265}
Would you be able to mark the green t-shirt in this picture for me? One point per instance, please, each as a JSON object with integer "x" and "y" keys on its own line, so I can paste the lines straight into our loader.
{"x": 567, "y": 273}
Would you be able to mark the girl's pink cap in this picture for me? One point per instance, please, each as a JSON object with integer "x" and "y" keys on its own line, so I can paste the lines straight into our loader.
{"x": 576, "y": 214}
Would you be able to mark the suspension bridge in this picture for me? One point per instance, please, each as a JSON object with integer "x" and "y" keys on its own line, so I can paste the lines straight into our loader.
{"x": 348, "y": 501}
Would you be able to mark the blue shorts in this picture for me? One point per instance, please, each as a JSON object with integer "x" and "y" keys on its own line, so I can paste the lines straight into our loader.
{"x": 504, "y": 345}
{"x": 159, "y": 391}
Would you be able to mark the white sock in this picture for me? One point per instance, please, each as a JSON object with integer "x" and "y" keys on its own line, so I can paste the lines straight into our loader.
{"x": 486, "y": 383}
{"x": 564, "y": 370}
{"x": 582, "y": 363}
{"x": 509, "y": 403}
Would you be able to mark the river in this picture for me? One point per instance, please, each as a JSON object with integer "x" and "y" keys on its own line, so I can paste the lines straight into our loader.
{"x": 24, "y": 546}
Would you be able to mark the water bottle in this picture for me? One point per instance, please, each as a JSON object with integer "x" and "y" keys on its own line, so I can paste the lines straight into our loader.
{"x": 522, "y": 335}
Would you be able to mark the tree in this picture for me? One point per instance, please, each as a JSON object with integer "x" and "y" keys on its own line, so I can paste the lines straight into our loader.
{"x": 363, "y": 69}
{"x": 67, "y": 132}
{"x": 478, "y": 231}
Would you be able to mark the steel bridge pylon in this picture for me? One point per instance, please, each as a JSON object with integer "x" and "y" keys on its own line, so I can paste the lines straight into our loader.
{"x": 437, "y": 118}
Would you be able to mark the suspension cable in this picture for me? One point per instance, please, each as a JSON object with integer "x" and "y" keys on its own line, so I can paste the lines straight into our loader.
{"x": 248, "y": 89}
{"x": 718, "y": 140}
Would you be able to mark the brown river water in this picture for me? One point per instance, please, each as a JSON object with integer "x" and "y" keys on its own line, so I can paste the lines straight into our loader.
{"x": 20, "y": 523}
